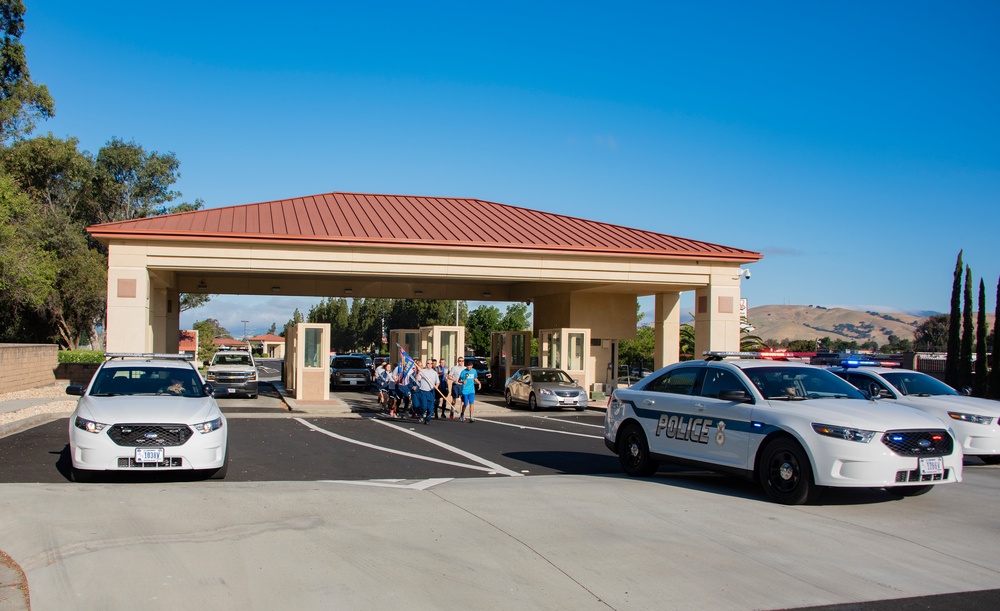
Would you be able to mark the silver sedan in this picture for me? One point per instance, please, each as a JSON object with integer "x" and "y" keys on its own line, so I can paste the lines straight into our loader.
{"x": 539, "y": 387}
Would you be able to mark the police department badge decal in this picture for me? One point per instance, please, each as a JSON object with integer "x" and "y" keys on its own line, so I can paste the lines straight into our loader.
{"x": 720, "y": 436}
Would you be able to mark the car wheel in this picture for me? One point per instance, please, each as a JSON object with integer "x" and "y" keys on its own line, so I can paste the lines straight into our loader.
{"x": 909, "y": 490}
{"x": 251, "y": 396}
{"x": 220, "y": 473}
{"x": 990, "y": 459}
{"x": 532, "y": 402}
{"x": 633, "y": 452}
{"x": 82, "y": 476}
{"x": 785, "y": 474}
{"x": 580, "y": 408}
{"x": 508, "y": 399}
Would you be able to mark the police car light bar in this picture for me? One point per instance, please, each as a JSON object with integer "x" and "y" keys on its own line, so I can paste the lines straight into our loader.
{"x": 852, "y": 363}
{"x": 146, "y": 355}
{"x": 716, "y": 355}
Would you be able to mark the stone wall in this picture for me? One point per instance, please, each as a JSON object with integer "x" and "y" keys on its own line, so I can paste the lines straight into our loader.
{"x": 76, "y": 373}
{"x": 24, "y": 366}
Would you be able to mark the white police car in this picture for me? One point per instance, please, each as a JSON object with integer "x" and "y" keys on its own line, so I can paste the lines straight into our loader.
{"x": 973, "y": 420}
{"x": 793, "y": 427}
{"x": 147, "y": 412}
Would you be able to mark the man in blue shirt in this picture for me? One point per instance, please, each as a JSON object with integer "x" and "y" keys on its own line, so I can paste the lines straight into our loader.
{"x": 469, "y": 385}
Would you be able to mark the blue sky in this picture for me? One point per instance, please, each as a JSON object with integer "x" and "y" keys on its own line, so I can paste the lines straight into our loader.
{"x": 855, "y": 144}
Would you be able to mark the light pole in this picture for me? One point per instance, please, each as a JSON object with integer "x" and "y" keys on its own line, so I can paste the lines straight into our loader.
{"x": 244, "y": 329}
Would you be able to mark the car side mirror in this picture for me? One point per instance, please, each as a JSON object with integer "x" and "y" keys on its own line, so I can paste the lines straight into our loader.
{"x": 966, "y": 391}
{"x": 74, "y": 389}
{"x": 735, "y": 395}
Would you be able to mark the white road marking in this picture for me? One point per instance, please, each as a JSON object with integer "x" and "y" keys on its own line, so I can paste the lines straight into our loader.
{"x": 489, "y": 468}
{"x": 596, "y": 426}
{"x": 375, "y": 483}
{"x": 535, "y": 428}
{"x": 492, "y": 465}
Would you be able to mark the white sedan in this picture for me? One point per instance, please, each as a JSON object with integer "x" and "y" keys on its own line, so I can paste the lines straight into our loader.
{"x": 794, "y": 428}
{"x": 147, "y": 412}
{"x": 974, "y": 420}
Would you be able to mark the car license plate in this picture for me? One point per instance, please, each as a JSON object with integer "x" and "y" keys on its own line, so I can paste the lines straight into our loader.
{"x": 932, "y": 466}
{"x": 149, "y": 455}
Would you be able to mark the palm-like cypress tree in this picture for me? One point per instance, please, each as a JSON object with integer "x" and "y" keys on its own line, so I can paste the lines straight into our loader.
{"x": 980, "y": 379}
{"x": 994, "y": 385}
{"x": 965, "y": 353}
{"x": 952, "y": 372}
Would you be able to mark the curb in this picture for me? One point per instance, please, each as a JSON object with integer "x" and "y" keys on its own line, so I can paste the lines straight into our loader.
{"x": 30, "y": 422}
{"x": 14, "y": 594}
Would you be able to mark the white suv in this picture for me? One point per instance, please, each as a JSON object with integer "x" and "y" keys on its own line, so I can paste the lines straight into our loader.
{"x": 147, "y": 412}
{"x": 793, "y": 427}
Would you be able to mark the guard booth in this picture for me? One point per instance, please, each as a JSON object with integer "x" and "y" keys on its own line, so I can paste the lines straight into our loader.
{"x": 307, "y": 361}
{"x": 569, "y": 350}
{"x": 509, "y": 351}
{"x": 442, "y": 342}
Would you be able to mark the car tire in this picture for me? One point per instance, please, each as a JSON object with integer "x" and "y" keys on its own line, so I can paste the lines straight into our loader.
{"x": 785, "y": 473}
{"x": 508, "y": 399}
{"x": 251, "y": 396}
{"x": 990, "y": 459}
{"x": 532, "y": 402}
{"x": 221, "y": 472}
{"x": 580, "y": 408}
{"x": 83, "y": 476}
{"x": 633, "y": 452}
{"x": 909, "y": 490}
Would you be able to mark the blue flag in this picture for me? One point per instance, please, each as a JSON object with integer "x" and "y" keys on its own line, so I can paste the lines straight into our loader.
{"x": 405, "y": 359}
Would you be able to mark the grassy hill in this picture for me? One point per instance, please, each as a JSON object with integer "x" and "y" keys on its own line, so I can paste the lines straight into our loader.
{"x": 780, "y": 322}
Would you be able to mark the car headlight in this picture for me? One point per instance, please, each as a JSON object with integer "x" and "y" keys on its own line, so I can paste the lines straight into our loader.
{"x": 974, "y": 418}
{"x": 544, "y": 391}
{"x": 208, "y": 427}
{"x": 210, "y": 376}
{"x": 252, "y": 377}
{"x": 88, "y": 425}
{"x": 845, "y": 433}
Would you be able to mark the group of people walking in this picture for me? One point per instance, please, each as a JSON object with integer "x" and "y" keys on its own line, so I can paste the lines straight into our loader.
{"x": 425, "y": 389}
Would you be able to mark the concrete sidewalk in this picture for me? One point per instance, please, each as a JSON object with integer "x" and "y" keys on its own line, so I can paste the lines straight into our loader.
{"x": 27, "y": 408}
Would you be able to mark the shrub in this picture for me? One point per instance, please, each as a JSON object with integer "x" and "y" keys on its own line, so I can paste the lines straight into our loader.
{"x": 81, "y": 356}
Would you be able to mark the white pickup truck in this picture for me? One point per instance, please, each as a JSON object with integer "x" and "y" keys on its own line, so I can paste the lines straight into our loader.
{"x": 233, "y": 372}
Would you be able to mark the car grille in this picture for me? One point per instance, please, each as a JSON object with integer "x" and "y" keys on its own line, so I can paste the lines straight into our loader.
{"x": 170, "y": 461}
{"x": 160, "y": 435}
{"x": 918, "y": 443}
{"x": 916, "y": 476}
{"x": 232, "y": 377}
{"x": 567, "y": 393}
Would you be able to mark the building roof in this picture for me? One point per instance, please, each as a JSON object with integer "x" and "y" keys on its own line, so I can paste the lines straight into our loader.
{"x": 267, "y": 337}
{"x": 225, "y": 341}
{"x": 412, "y": 221}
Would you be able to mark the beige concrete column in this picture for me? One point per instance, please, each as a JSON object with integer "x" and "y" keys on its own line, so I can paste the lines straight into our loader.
{"x": 128, "y": 323}
{"x": 666, "y": 329}
{"x": 717, "y": 315}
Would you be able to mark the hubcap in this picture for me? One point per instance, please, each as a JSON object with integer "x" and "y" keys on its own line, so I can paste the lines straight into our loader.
{"x": 786, "y": 471}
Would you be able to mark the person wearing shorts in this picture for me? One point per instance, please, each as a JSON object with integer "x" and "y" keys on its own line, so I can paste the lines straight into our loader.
{"x": 469, "y": 383}
{"x": 456, "y": 388}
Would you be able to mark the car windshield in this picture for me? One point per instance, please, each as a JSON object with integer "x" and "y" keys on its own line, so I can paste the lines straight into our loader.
{"x": 544, "y": 376}
{"x": 913, "y": 383}
{"x": 231, "y": 359}
{"x": 348, "y": 362}
{"x": 800, "y": 383}
{"x": 146, "y": 380}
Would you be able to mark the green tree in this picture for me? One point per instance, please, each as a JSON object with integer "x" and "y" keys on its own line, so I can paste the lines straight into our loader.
{"x": 208, "y": 330}
{"x": 191, "y": 301}
{"x": 931, "y": 335}
{"x": 981, "y": 379}
{"x": 482, "y": 322}
{"x": 896, "y": 344}
{"x": 272, "y": 329}
{"x": 687, "y": 342}
{"x": 130, "y": 183}
{"x": 515, "y": 318}
{"x": 965, "y": 353}
{"x": 952, "y": 370}
{"x": 27, "y": 271}
{"x": 638, "y": 352}
{"x": 53, "y": 172}
{"x": 22, "y": 102}
{"x": 994, "y": 383}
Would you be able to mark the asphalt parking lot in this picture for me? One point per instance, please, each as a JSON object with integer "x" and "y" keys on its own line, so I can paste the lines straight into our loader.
{"x": 516, "y": 510}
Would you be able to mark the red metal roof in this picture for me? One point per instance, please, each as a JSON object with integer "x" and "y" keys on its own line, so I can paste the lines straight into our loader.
{"x": 267, "y": 337}
{"x": 411, "y": 221}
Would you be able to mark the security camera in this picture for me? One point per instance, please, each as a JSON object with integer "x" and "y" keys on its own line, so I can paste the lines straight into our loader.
{"x": 745, "y": 273}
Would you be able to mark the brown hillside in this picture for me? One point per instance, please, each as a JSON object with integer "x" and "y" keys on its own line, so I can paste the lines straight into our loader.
{"x": 780, "y": 322}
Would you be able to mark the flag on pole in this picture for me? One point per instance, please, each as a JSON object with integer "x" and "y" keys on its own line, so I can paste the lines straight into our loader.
{"x": 405, "y": 359}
